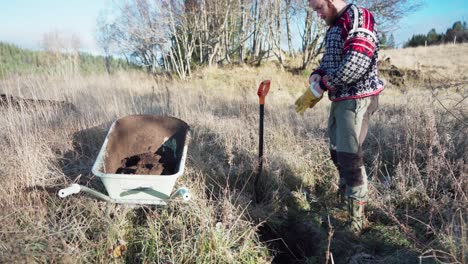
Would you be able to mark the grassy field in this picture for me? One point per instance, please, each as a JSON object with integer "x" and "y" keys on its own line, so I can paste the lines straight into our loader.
{"x": 416, "y": 156}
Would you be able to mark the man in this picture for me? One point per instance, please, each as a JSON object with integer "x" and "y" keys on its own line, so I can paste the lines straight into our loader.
{"x": 348, "y": 72}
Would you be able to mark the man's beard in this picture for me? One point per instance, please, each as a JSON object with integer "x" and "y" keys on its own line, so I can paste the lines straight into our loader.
{"x": 333, "y": 13}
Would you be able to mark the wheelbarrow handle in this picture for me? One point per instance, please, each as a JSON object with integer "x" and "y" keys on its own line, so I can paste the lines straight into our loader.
{"x": 183, "y": 193}
{"x": 72, "y": 189}
{"x": 76, "y": 188}
{"x": 263, "y": 91}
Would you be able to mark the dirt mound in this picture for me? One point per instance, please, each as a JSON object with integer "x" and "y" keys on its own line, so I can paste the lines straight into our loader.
{"x": 396, "y": 76}
{"x": 162, "y": 162}
{"x": 16, "y": 102}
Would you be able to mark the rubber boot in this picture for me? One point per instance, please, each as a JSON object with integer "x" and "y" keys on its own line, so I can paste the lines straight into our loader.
{"x": 342, "y": 199}
{"x": 357, "y": 219}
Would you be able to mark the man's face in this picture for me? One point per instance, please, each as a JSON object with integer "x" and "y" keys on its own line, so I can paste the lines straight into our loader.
{"x": 325, "y": 10}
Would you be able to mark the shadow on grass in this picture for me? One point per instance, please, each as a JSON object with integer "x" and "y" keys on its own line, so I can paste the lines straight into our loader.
{"x": 76, "y": 164}
{"x": 295, "y": 227}
{"x": 287, "y": 230}
{"x": 294, "y": 221}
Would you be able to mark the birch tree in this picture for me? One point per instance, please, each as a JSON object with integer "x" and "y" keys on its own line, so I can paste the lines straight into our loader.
{"x": 177, "y": 35}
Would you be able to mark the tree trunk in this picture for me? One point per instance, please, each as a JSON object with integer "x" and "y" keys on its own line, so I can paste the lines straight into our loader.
{"x": 306, "y": 38}
{"x": 242, "y": 31}
{"x": 288, "y": 28}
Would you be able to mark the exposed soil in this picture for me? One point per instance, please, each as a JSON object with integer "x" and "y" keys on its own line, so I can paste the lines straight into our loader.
{"x": 17, "y": 102}
{"x": 145, "y": 144}
{"x": 162, "y": 162}
{"x": 396, "y": 76}
{"x": 295, "y": 241}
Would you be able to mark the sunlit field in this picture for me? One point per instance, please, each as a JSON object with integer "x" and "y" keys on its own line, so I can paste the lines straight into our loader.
{"x": 415, "y": 153}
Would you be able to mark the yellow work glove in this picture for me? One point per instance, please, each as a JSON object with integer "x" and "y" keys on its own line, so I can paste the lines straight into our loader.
{"x": 307, "y": 100}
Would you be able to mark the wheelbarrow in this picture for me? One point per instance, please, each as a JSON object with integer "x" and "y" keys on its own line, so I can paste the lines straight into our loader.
{"x": 140, "y": 160}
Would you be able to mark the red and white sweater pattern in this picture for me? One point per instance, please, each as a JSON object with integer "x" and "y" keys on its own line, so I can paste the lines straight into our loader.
{"x": 349, "y": 64}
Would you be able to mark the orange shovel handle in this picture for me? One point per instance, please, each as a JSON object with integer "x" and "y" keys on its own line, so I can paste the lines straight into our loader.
{"x": 263, "y": 90}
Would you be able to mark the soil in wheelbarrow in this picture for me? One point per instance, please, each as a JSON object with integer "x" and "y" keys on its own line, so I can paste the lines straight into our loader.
{"x": 161, "y": 162}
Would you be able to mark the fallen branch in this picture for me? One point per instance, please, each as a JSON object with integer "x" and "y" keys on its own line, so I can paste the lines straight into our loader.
{"x": 328, "y": 254}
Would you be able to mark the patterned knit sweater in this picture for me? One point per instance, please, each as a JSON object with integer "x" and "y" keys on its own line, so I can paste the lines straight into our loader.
{"x": 349, "y": 64}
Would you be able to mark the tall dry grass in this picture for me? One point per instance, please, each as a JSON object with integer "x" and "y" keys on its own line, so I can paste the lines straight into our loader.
{"x": 415, "y": 153}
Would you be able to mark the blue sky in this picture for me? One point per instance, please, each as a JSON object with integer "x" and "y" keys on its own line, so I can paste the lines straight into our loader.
{"x": 434, "y": 14}
{"x": 24, "y": 22}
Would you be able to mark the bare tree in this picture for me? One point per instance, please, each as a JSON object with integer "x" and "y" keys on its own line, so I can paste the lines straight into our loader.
{"x": 287, "y": 11}
{"x": 176, "y": 35}
{"x": 105, "y": 39}
{"x": 389, "y": 12}
{"x": 275, "y": 27}
{"x": 242, "y": 31}
{"x": 139, "y": 31}
{"x": 62, "y": 48}
{"x": 311, "y": 34}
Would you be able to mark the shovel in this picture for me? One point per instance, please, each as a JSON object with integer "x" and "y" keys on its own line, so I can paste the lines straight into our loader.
{"x": 262, "y": 92}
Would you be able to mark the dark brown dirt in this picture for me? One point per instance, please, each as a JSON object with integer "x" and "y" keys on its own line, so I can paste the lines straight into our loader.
{"x": 396, "y": 76}
{"x": 145, "y": 144}
{"x": 162, "y": 162}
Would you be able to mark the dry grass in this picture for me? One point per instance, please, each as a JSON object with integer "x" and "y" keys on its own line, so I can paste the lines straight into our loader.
{"x": 442, "y": 62}
{"x": 416, "y": 154}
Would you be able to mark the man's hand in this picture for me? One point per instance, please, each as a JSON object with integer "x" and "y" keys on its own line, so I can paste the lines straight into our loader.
{"x": 307, "y": 100}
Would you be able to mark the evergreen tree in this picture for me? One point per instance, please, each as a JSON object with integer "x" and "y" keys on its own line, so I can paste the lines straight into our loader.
{"x": 416, "y": 40}
{"x": 433, "y": 37}
{"x": 20, "y": 61}
{"x": 458, "y": 32}
{"x": 391, "y": 42}
{"x": 383, "y": 40}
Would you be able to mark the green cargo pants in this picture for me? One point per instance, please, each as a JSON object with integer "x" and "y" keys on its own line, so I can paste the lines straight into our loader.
{"x": 347, "y": 129}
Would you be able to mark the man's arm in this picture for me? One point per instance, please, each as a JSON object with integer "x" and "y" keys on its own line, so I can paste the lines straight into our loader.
{"x": 359, "y": 48}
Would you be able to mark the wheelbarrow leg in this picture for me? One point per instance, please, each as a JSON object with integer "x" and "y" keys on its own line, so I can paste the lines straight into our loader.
{"x": 76, "y": 188}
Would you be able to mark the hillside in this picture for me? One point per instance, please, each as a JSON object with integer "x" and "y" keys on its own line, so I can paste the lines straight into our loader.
{"x": 15, "y": 60}
{"x": 438, "y": 62}
{"x": 416, "y": 155}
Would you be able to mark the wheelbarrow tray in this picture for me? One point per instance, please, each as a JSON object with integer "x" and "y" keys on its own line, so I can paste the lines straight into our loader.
{"x": 133, "y": 135}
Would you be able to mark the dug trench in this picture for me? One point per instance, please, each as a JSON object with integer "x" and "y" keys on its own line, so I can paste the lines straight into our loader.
{"x": 23, "y": 103}
{"x": 298, "y": 232}
{"x": 310, "y": 227}
{"x": 293, "y": 242}
{"x": 293, "y": 233}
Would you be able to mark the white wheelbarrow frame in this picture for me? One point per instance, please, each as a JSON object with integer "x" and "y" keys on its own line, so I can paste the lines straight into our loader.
{"x": 134, "y": 188}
